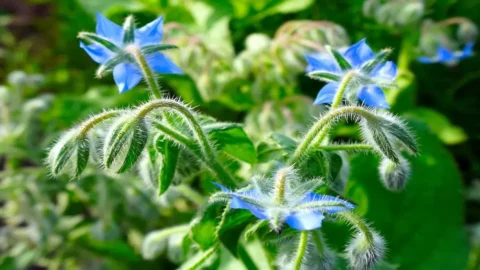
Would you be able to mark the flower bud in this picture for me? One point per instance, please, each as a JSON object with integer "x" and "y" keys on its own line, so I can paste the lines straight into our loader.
{"x": 364, "y": 254}
{"x": 70, "y": 154}
{"x": 411, "y": 13}
{"x": 125, "y": 142}
{"x": 467, "y": 32}
{"x": 394, "y": 176}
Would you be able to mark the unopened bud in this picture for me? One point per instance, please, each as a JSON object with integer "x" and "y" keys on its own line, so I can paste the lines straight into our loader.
{"x": 125, "y": 143}
{"x": 467, "y": 32}
{"x": 411, "y": 13}
{"x": 70, "y": 154}
{"x": 364, "y": 253}
{"x": 394, "y": 176}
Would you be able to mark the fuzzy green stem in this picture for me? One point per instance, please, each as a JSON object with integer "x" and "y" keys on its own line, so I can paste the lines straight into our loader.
{"x": 93, "y": 121}
{"x": 208, "y": 153}
{"x": 213, "y": 165}
{"x": 222, "y": 220}
{"x": 337, "y": 100}
{"x": 346, "y": 147}
{"x": 146, "y": 70}
{"x": 358, "y": 223}
{"x": 318, "y": 131}
{"x": 280, "y": 180}
{"x": 302, "y": 247}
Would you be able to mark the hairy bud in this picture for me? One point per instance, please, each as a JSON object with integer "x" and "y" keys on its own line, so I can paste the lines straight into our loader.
{"x": 394, "y": 176}
{"x": 70, "y": 154}
{"x": 467, "y": 32}
{"x": 363, "y": 253}
{"x": 125, "y": 142}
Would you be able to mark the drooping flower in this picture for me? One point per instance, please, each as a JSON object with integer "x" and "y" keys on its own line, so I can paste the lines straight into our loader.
{"x": 109, "y": 47}
{"x": 284, "y": 199}
{"x": 372, "y": 72}
{"x": 448, "y": 57}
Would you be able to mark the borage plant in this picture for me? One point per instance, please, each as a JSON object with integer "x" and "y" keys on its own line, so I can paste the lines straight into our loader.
{"x": 290, "y": 192}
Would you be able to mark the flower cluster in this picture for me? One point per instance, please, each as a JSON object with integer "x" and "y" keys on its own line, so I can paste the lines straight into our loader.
{"x": 285, "y": 198}
{"x": 112, "y": 48}
{"x": 371, "y": 73}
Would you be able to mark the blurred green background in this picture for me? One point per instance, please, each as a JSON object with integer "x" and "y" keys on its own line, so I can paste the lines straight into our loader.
{"x": 240, "y": 66}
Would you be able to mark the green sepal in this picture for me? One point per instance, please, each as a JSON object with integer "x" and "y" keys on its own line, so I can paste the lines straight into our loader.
{"x": 129, "y": 30}
{"x": 70, "y": 154}
{"x": 324, "y": 76}
{"x": 379, "y": 59}
{"x": 125, "y": 142}
{"x": 341, "y": 61}
{"x": 149, "y": 49}
{"x": 169, "y": 157}
{"x": 94, "y": 38}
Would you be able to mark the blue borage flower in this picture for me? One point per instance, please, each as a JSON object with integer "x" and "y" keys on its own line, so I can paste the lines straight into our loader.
{"x": 372, "y": 72}
{"x": 126, "y": 73}
{"x": 448, "y": 57}
{"x": 299, "y": 207}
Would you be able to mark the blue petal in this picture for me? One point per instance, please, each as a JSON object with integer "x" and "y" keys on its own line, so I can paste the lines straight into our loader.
{"x": 126, "y": 76}
{"x": 151, "y": 33}
{"x": 305, "y": 220}
{"x": 467, "y": 51}
{"x": 97, "y": 52}
{"x": 109, "y": 29}
{"x": 358, "y": 53}
{"x": 223, "y": 188}
{"x": 321, "y": 61}
{"x": 238, "y": 203}
{"x": 372, "y": 96}
{"x": 311, "y": 197}
{"x": 444, "y": 55}
{"x": 386, "y": 71}
{"x": 326, "y": 94}
{"x": 161, "y": 64}
{"x": 427, "y": 60}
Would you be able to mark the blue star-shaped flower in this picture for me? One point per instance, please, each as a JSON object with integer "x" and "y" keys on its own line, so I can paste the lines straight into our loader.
{"x": 447, "y": 57}
{"x": 301, "y": 208}
{"x": 126, "y": 74}
{"x": 360, "y": 58}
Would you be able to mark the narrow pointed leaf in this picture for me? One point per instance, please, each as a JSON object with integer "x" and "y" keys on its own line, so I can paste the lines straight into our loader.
{"x": 148, "y": 49}
{"x": 169, "y": 155}
{"x": 400, "y": 132}
{"x": 341, "y": 61}
{"x": 324, "y": 76}
{"x": 379, "y": 59}
{"x": 379, "y": 139}
{"x": 129, "y": 30}
{"x": 94, "y": 38}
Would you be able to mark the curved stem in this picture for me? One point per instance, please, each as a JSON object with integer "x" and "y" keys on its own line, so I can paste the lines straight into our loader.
{"x": 346, "y": 147}
{"x": 96, "y": 119}
{"x": 337, "y": 99}
{"x": 146, "y": 70}
{"x": 358, "y": 223}
{"x": 302, "y": 247}
{"x": 316, "y": 132}
{"x": 207, "y": 152}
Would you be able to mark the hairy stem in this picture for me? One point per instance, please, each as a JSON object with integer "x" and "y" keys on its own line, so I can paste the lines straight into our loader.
{"x": 207, "y": 153}
{"x": 93, "y": 121}
{"x": 346, "y": 147}
{"x": 302, "y": 247}
{"x": 337, "y": 100}
{"x": 146, "y": 70}
{"x": 280, "y": 180}
{"x": 358, "y": 223}
{"x": 318, "y": 131}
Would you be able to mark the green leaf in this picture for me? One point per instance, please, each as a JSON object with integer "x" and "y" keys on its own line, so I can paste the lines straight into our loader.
{"x": 230, "y": 233}
{"x": 197, "y": 261}
{"x": 169, "y": 155}
{"x": 232, "y": 139}
{"x": 204, "y": 226}
{"x": 423, "y": 225}
{"x": 125, "y": 143}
